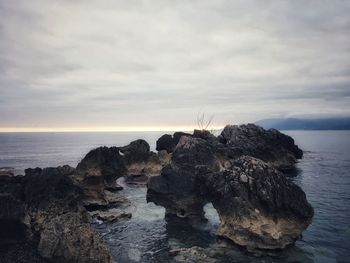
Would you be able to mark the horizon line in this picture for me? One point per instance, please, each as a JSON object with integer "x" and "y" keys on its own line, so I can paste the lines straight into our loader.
{"x": 103, "y": 129}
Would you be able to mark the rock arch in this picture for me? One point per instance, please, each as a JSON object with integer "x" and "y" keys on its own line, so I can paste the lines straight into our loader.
{"x": 258, "y": 206}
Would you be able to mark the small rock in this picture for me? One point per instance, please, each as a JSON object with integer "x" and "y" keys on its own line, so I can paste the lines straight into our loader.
{"x": 244, "y": 178}
{"x": 111, "y": 216}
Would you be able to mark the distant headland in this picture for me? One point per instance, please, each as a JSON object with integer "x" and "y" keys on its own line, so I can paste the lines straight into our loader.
{"x": 306, "y": 124}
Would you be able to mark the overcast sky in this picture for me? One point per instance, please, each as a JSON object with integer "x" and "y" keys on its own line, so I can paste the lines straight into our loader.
{"x": 100, "y": 63}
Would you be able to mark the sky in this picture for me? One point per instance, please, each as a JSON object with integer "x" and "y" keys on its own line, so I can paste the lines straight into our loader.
{"x": 157, "y": 64}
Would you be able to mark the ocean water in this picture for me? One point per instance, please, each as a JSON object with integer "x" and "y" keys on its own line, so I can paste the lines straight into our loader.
{"x": 323, "y": 173}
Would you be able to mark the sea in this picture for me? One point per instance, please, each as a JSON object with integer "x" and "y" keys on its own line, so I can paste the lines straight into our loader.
{"x": 323, "y": 173}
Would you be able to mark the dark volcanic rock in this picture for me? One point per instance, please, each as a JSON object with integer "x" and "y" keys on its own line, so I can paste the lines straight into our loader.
{"x": 177, "y": 136}
{"x": 141, "y": 163}
{"x": 136, "y": 151}
{"x": 271, "y": 146}
{"x": 23, "y": 252}
{"x": 47, "y": 187}
{"x": 177, "y": 188}
{"x": 165, "y": 142}
{"x": 204, "y": 134}
{"x": 99, "y": 171}
{"x": 104, "y": 162}
{"x": 42, "y": 215}
{"x": 259, "y": 208}
{"x": 70, "y": 238}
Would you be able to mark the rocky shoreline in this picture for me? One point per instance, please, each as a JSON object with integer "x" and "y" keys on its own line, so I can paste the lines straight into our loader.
{"x": 46, "y": 215}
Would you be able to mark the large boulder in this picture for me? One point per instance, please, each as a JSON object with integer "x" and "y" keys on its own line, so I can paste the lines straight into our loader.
{"x": 168, "y": 142}
{"x": 141, "y": 163}
{"x": 104, "y": 162}
{"x": 136, "y": 151}
{"x": 165, "y": 142}
{"x": 98, "y": 172}
{"x": 259, "y": 208}
{"x": 271, "y": 146}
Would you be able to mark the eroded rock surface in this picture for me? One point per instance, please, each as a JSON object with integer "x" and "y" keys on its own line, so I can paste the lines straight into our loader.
{"x": 49, "y": 219}
{"x": 168, "y": 142}
{"x": 142, "y": 163}
{"x": 178, "y": 188}
{"x": 271, "y": 146}
{"x": 97, "y": 173}
{"x": 259, "y": 207}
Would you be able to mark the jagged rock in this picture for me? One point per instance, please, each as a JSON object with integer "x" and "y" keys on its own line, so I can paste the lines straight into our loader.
{"x": 177, "y": 136}
{"x": 168, "y": 143}
{"x": 99, "y": 171}
{"x": 70, "y": 238}
{"x": 259, "y": 207}
{"x": 149, "y": 167}
{"x": 102, "y": 164}
{"x": 204, "y": 134}
{"x": 23, "y": 252}
{"x": 111, "y": 216}
{"x": 114, "y": 198}
{"x": 177, "y": 188}
{"x": 50, "y": 188}
{"x": 136, "y": 151}
{"x": 42, "y": 212}
{"x": 271, "y": 146}
{"x": 192, "y": 255}
{"x": 165, "y": 142}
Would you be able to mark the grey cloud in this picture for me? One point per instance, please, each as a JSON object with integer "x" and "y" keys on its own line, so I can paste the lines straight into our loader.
{"x": 159, "y": 62}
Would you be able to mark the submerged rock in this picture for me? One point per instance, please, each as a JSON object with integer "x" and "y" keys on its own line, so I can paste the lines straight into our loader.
{"x": 192, "y": 254}
{"x": 111, "y": 216}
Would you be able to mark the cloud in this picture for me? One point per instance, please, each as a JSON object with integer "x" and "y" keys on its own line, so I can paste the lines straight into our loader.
{"x": 158, "y": 63}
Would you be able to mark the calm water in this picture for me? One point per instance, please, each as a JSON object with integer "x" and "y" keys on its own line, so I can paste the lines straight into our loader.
{"x": 323, "y": 173}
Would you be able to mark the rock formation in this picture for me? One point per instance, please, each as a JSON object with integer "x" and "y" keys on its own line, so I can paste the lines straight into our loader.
{"x": 42, "y": 213}
{"x": 46, "y": 214}
{"x": 142, "y": 163}
{"x": 271, "y": 146}
{"x": 7, "y": 171}
{"x": 259, "y": 207}
{"x": 168, "y": 142}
